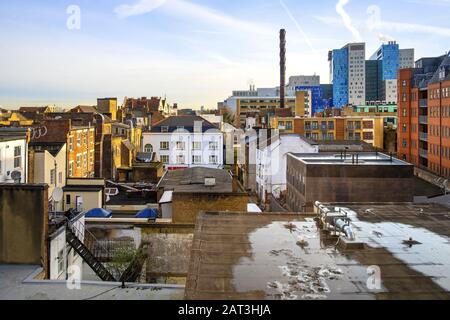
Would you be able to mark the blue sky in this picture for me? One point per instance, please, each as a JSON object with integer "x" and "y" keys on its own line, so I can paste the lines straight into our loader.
{"x": 193, "y": 51}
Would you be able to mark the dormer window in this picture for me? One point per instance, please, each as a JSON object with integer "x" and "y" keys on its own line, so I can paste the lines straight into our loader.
{"x": 164, "y": 129}
{"x": 442, "y": 74}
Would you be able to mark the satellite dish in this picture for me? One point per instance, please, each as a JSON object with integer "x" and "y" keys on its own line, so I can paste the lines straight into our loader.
{"x": 16, "y": 176}
{"x": 57, "y": 194}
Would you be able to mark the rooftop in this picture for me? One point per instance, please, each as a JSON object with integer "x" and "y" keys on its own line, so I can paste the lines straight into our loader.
{"x": 187, "y": 122}
{"x": 193, "y": 180}
{"x": 287, "y": 257}
{"x": 350, "y": 158}
{"x": 16, "y": 284}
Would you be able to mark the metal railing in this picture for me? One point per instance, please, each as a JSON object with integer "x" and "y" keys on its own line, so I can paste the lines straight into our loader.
{"x": 423, "y": 119}
{"x": 423, "y": 136}
{"x": 423, "y": 103}
{"x": 423, "y": 153}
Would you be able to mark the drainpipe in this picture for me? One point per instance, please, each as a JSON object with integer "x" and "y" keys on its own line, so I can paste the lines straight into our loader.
{"x": 440, "y": 128}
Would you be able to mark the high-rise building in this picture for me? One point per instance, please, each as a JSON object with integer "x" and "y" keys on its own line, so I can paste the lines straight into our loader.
{"x": 424, "y": 115}
{"x": 390, "y": 59}
{"x": 348, "y": 75}
{"x": 372, "y": 80}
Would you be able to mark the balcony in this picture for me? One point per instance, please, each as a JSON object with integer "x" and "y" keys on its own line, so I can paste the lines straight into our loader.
{"x": 423, "y": 153}
{"x": 423, "y": 103}
{"x": 423, "y": 119}
{"x": 423, "y": 136}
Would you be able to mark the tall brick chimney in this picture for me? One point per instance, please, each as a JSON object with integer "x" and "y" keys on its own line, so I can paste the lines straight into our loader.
{"x": 282, "y": 68}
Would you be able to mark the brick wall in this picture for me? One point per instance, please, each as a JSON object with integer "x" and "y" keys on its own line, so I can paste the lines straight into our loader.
{"x": 186, "y": 206}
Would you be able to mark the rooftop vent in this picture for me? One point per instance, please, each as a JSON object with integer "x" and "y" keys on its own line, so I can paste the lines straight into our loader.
{"x": 210, "y": 182}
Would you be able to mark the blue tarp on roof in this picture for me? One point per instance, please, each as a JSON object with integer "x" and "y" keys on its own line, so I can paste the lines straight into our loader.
{"x": 148, "y": 214}
{"x": 98, "y": 213}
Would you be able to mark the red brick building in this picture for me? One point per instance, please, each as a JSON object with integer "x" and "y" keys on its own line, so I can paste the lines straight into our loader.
{"x": 424, "y": 115}
{"x": 80, "y": 144}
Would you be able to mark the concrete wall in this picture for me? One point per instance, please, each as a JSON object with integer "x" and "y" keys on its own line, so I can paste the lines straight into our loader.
{"x": 186, "y": 206}
{"x": 23, "y": 224}
{"x": 91, "y": 199}
{"x": 44, "y": 163}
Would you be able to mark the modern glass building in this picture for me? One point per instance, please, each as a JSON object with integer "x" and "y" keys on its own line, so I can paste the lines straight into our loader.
{"x": 372, "y": 79}
{"x": 389, "y": 55}
{"x": 339, "y": 68}
{"x": 320, "y": 97}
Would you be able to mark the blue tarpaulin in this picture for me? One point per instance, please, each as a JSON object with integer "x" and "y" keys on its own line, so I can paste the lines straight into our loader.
{"x": 148, "y": 214}
{"x": 98, "y": 213}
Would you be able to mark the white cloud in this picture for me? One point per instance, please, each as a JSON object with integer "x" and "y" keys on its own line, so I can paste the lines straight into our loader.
{"x": 347, "y": 20}
{"x": 187, "y": 9}
{"x": 138, "y": 8}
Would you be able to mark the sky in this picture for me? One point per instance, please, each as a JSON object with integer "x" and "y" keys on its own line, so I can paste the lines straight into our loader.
{"x": 194, "y": 52}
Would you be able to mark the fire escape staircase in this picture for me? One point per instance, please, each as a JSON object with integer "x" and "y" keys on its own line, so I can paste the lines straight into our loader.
{"x": 87, "y": 251}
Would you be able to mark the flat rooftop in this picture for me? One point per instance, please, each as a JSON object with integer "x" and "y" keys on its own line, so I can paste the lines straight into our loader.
{"x": 286, "y": 257}
{"x": 15, "y": 284}
{"x": 350, "y": 158}
{"x": 193, "y": 180}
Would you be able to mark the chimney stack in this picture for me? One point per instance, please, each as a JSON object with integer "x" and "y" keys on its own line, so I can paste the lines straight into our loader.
{"x": 282, "y": 68}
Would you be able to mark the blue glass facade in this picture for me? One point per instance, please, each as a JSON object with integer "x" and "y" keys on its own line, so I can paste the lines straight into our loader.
{"x": 340, "y": 77}
{"x": 390, "y": 61}
{"x": 320, "y": 97}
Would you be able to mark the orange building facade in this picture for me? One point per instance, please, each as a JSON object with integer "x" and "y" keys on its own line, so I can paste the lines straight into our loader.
{"x": 424, "y": 117}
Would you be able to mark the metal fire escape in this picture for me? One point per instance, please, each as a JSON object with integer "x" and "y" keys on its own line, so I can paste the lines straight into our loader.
{"x": 90, "y": 250}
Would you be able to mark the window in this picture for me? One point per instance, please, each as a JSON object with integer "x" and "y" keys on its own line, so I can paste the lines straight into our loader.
{"x": 71, "y": 143}
{"x": 368, "y": 136}
{"x": 180, "y": 128}
{"x": 164, "y": 129}
{"x": 68, "y": 199}
{"x": 180, "y": 159}
{"x": 213, "y": 145}
{"x": 405, "y": 97}
{"x": 289, "y": 125}
{"x": 196, "y": 145}
{"x": 213, "y": 159}
{"x": 164, "y": 145}
{"x": 52, "y": 176}
{"x": 181, "y": 145}
{"x": 404, "y": 83}
{"x": 79, "y": 139}
{"x": 85, "y": 139}
{"x": 17, "y": 157}
{"x": 85, "y": 160}
{"x": 196, "y": 159}
{"x": 78, "y": 161}
{"x": 148, "y": 148}
{"x": 71, "y": 169}
{"x": 91, "y": 158}
{"x": 165, "y": 159}
{"x": 60, "y": 261}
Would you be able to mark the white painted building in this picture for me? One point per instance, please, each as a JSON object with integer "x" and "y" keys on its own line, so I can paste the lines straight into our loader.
{"x": 50, "y": 167}
{"x": 13, "y": 155}
{"x": 63, "y": 259}
{"x": 356, "y": 73}
{"x": 185, "y": 142}
{"x": 271, "y": 162}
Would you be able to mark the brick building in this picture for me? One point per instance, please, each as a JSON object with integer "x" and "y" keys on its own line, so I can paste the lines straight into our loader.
{"x": 424, "y": 115}
{"x": 80, "y": 144}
